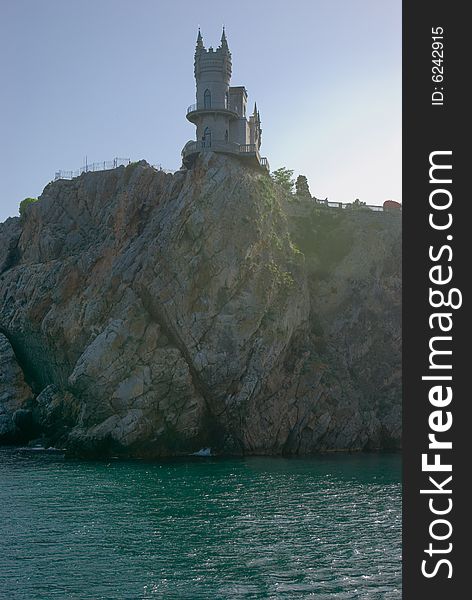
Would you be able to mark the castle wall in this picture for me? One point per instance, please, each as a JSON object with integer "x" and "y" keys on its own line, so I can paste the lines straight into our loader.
{"x": 239, "y": 131}
{"x": 238, "y": 100}
{"x": 254, "y": 132}
{"x": 217, "y": 88}
{"x": 212, "y": 72}
{"x": 218, "y": 124}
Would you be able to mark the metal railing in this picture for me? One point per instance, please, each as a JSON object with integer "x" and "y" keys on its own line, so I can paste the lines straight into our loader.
{"x": 349, "y": 205}
{"x": 105, "y": 165}
{"x": 265, "y": 163}
{"x": 247, "y": 148}
{"x": 212, "y": 106}
{"x": 228, "y": 147}
{"x": 191, "y": 147}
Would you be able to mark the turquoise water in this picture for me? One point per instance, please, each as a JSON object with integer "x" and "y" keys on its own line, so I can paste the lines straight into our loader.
{"x": 269, "y": 528}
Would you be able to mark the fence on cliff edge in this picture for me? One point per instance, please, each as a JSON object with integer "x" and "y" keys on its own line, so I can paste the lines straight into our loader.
{"x": 349, "y": 205}
{"x": 105, "y": 165}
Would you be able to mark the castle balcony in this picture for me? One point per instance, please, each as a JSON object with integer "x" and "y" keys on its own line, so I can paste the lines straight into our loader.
{"x": 249, "y": 152}
{"x": 196, "y": 110}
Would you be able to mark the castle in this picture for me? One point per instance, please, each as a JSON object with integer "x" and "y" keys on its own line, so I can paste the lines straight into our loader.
{"x": 220, "y": 112}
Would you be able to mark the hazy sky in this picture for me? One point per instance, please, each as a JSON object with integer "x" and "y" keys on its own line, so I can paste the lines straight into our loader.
{"x": 107, "y": 78}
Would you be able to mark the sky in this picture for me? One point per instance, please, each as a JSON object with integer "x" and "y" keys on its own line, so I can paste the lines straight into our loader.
{"x": 113, "y": 78}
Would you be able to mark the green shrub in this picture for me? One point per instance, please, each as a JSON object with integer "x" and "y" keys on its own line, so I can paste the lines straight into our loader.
{"x": 284, "y": 178}
{"x": 24, "y": 203}
{"x": 301, "y": 185}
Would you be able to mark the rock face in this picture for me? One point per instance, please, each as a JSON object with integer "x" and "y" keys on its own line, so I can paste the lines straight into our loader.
{"x": 155, "y": 314}
{"x": 15, "y": 395}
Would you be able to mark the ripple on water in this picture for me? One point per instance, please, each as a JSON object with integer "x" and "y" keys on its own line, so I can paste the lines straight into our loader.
{"x": 325, "y": 527}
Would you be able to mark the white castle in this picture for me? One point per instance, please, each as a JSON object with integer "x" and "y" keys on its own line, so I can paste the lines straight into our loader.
{"x": 219, "y": 113}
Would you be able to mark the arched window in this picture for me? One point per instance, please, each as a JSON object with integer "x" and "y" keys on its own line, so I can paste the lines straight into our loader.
{"x": 207, "y": 138}
{"x": 226, "y": 100}
{"x": 207, "y": 99}
{"x": 226, "y": 136}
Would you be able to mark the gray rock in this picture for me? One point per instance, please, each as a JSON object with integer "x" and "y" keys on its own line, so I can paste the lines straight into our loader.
{"x": 9, "y": 236}
{"x": 175, "y": 312}
{"x": 55, "y": 413}
{"x": 14, "y": 393}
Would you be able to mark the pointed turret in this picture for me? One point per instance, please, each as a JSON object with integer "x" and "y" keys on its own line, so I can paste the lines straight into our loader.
{"x": 199, "y": 40}
{"x": 224, "y": 43}
{"x": 256, "y": 116}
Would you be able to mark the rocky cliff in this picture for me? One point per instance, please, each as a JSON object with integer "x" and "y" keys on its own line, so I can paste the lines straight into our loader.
{"x": 151, "y": 314}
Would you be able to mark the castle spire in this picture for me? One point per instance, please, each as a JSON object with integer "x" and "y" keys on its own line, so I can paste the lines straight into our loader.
{"x": 199, "y": 39}
{"x": 224, "y": 41}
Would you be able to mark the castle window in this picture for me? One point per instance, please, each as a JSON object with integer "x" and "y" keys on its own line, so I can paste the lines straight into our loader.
{"x": 226, "y": 100}
{"x": 207, "y": 99}
{"x": 207, "y": 138}
{"x": 226, "y": 136}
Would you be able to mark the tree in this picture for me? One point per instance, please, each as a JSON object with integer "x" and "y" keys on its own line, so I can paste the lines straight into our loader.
{"x": 358, "y": 204}
{"x": 24, "y": 203}
{"x": 284, "y": 178}
{"x": 301, "y": 185}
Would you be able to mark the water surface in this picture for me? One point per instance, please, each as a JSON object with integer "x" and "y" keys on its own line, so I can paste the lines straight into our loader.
{"x": 255, "y": 528}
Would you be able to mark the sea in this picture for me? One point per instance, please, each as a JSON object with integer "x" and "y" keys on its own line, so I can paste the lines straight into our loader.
{"x": 209, "y": 528}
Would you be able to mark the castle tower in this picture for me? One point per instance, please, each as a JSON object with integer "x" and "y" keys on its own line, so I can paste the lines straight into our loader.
{"x": 211, "y": 114}
{"x": 219, "y": 113}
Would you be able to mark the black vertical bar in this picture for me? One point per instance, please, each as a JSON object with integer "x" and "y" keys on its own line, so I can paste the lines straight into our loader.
{"x": 429, "y": 127}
